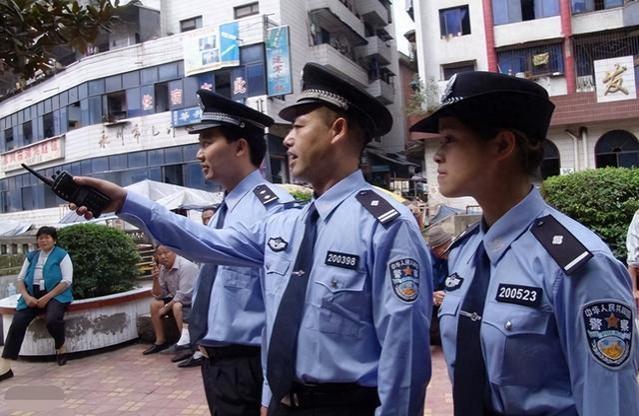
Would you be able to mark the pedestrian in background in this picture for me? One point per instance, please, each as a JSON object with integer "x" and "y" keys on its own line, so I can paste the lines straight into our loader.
{"x": 538, "y": 317}
{"x": 438, "y": 241}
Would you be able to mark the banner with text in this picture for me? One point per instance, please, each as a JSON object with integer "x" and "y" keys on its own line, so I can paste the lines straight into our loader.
{"x": 278, "y": 61}
{"x": 615, "y": 79}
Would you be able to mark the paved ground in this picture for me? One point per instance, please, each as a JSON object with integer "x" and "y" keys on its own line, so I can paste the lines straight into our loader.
{"x": 124, "y": 382}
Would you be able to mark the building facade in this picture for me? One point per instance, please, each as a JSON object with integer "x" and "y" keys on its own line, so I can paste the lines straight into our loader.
{"x": 121, "y": 111}
{"x": 584, "y": 52}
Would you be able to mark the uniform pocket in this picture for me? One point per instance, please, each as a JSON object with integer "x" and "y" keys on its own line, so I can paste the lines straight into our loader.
{"x": 343, "y": 306}
{"x": 512, "y": 332}
{"x": 276, "y": 270}
{"x": 236, "y": 279}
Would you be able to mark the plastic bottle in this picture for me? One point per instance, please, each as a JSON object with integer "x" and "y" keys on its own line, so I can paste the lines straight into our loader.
{"x": 11, "y": 289}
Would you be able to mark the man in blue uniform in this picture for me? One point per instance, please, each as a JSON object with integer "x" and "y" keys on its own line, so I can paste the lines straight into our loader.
{"x": 347, "y": 279}
{"x": 538, "y": 317}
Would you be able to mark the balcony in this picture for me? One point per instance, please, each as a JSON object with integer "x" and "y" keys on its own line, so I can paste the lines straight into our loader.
{"x": 382, "y": 90}
{"x": 373, "y": 12}
{"x": 376, "y": 48}
{"x": 325, "y": 54}
{"x": 335, "y": 17}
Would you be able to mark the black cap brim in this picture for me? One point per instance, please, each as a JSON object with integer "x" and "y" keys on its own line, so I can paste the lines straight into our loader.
{"x": 198, "y": 128}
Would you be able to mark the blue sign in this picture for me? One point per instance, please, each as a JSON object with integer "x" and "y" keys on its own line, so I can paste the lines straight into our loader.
{"x": 278, "y": 61}
{"x": 186, "y": 116}
{"x": 229, "y": 49}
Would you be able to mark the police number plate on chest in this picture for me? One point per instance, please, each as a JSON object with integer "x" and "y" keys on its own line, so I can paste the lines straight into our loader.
{"x": 344, "y": 260}
{"x": 518, "y": 294}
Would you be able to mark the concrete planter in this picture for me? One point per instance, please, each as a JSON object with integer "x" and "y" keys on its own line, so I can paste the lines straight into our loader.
{"x": 90, "y": 324}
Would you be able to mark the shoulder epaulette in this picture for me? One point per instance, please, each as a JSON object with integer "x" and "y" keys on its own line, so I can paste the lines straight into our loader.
{"x": 470, "y": 230}
{"x": 562, "y": 246}
{"x": 381, "y": 209}
{"x": 265, "y": 194}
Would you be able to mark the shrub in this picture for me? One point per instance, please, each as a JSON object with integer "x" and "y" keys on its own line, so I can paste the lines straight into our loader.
{"x": 604, "y": 200}
{"x": 11, "y": 264}
{"x": 104, "y": 259}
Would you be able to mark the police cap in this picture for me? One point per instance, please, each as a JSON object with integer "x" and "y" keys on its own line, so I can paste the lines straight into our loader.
{"x": 497, "y": 100}
{"x": 322, "y": 86}
{"x": 220, "y": 111}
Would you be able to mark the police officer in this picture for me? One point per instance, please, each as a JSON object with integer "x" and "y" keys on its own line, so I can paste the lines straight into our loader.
{"x": 538, "y": 317}
{"x": 228, "y": 308}
{"x": 347, "y": 278}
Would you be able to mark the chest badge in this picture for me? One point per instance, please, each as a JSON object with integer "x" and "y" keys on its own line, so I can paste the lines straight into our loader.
{"x": 453, "y": 282}
{"x": 343, "y": 260}
{"x": 519, "y": 295}
{"x": 609, "y": 326}
{"x": 405, "y": 279}
{"x": 277, "y": 244}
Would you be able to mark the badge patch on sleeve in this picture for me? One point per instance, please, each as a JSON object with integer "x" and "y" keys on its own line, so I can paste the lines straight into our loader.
{"x": 453, "y": 282}
{"x": 405, "y": 279}
{"x": 277, "y": 243}
{"x": 609, "y": 326}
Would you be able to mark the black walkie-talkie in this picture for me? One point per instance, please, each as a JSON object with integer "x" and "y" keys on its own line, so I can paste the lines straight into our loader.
{"x": 65, "y": 187}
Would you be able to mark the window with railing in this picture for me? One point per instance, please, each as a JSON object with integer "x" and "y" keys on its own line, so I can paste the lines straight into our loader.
{"x": 511, "y": 11}
{"x": 454, "y": 21}
{"x": 585, "y": 6}
{"x": 617, "y": 148}
{"x": 534, "y": 61}
{"x": 590, "y": 48}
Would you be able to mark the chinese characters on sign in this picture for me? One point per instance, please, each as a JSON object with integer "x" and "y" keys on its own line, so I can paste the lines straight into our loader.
{"x": 615, "y": 79}
{"x": 186, "y": 116}
{"x": 213, "y": 50}
{"x": 278, "y": 61}
{"x": 40, "y": 152}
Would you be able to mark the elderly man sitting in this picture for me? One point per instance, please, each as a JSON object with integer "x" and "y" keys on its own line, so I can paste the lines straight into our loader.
{"x": 172, "y": 287}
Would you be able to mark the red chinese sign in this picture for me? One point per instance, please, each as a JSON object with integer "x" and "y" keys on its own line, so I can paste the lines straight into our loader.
{"x": 40, "y": 152}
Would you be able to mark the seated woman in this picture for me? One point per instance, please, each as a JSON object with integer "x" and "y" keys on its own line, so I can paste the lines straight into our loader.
{"x": 45, "y": 285}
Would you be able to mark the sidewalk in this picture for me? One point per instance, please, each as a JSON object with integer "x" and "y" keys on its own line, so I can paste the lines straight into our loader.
{"x": 124, "y": 382}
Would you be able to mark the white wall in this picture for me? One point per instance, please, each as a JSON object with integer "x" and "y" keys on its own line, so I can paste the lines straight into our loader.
{"x": 528, "y": 31}
{"x": 597, "y": 21}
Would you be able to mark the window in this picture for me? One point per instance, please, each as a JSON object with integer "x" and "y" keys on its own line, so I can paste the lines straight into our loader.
{"x": 173, "y": 174}
{"x": 550, "y": 165}
{"x": 454, "y": 21}
{"x": 8, "y": 139}
{"x": 223, "y": 83}
{"x": 583, "y": 6}
{"x": 27, "y": 132}
{"x": 191, "y": 24}
{"x": 116, "y": 106}
{"x": 74, "y": 116}
{"x": 452, "y": 69}
{"x": 161, "y": 97}
{"x": 617, "y": 148}
{"x": 511, "y": 11}
{"x": 540, "y": 60}
{"x": 48, "y": 124}
{"x": 246, "y": 10}
{"x": 113, "y": 83}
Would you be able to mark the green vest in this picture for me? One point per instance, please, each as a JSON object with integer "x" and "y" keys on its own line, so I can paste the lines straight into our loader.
{"x": 51, "y": 273}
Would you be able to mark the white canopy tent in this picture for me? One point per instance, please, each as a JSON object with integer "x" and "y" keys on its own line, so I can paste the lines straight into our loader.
{"x": 169, "y": 195}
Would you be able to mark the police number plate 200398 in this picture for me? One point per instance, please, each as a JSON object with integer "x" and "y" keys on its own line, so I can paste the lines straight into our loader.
{"x": 344, "y": 260}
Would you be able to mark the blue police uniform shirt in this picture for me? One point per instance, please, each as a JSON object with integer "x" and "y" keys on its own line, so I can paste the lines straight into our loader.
{"x": 368, "y": 302}
{"x": 236, "y": 311}
{"x": 552, "y": 343}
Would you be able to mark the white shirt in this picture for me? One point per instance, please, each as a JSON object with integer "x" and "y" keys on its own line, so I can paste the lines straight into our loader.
{"x": 632, "y": 241}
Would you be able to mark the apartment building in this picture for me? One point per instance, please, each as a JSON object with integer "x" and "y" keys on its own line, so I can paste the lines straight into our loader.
{"x": 121, "y": 111}
{"x": 584, "y": 52}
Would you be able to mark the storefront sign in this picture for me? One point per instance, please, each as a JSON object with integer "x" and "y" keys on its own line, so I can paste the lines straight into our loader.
{"x": 615, "y": 79}
{"x": 186, "y": 116}
{"x": 34, "y": 154}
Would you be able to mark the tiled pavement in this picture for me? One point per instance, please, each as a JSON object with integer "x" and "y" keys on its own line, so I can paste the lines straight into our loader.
{"x": 124, "y": 382}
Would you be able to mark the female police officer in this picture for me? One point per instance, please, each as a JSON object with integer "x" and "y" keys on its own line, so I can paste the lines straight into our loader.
{"x": 538, "y": 318}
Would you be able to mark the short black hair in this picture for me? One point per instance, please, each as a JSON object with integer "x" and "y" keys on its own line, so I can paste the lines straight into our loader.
{"x": 47, "y": 230}
{"x": 253, "y": 136}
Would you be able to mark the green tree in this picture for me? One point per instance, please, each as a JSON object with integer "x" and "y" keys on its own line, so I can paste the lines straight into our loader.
{"x": 604, "y": 200}
{"x": 31, "y": 29}
{"x": 104, "y": 259}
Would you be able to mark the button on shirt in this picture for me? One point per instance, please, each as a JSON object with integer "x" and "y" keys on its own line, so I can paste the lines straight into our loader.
{"x": 178, "y": 280}
{"x": 537, "y": 351}
{"x": 355, "y": 328}
{"x": 236, "y": 312}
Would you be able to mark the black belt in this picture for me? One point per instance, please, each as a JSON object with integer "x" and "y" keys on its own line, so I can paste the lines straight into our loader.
{"x": 232, "y": 351}
{"x": 331, "y": 395}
